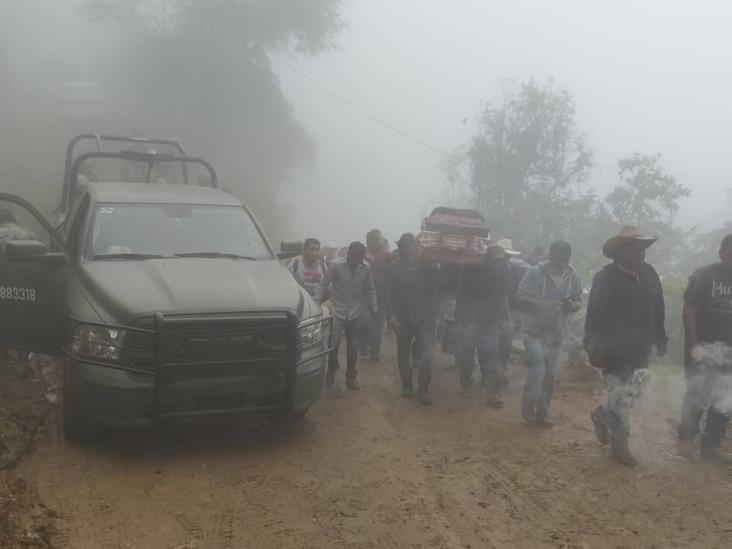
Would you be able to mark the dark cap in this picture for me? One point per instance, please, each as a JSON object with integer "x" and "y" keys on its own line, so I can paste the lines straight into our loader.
{"x": 356, "y": 248}
{"x": 407, "y": 239}
{"x": 560, "y": 248}
{"x": 373, "y": 236}
{"x": 726, "y": 242}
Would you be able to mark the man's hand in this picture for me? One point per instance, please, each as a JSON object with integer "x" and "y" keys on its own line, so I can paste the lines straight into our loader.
{"x": 698, "y": 353}
{"x": 394, "y": 324}
{"x": 661, "y": 348}
{"x": 554, "y": 307}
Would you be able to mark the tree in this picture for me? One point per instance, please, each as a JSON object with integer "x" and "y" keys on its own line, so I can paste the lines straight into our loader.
{"x": 528, "y": 160}
{"x": 200, "y": 71}
{"x": 648, "y": 196}
{"x": 526, "y": 170}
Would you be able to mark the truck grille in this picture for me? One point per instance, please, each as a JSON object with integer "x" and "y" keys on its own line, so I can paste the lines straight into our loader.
{"x": 240, "y": 342}
{"x": 246, "y": 341}
{"x": 138, "y": 351}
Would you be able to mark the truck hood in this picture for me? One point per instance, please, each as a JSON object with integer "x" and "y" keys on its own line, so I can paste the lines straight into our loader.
{"x": 123, "y": 291}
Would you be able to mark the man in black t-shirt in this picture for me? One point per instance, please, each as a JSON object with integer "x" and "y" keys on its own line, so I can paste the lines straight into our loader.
{"x": 708, "y": 327}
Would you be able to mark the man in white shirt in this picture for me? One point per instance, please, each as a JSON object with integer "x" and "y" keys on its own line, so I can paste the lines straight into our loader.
{"x": 309, "y": 269}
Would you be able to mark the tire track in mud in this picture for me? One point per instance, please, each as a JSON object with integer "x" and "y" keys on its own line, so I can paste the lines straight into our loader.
{"x": 407, "y": 420}
{"x": 370, "y": 470}
{"x": 478, "y": 491}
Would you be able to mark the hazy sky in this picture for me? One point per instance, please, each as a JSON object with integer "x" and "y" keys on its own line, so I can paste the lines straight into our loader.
{"x": 647, "y": 76}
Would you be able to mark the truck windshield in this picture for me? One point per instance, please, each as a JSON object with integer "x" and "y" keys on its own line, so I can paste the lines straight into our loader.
{"x": 147, "y": 231}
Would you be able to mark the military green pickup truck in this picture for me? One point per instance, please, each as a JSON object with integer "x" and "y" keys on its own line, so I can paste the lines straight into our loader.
{"x": 165, "y": 299}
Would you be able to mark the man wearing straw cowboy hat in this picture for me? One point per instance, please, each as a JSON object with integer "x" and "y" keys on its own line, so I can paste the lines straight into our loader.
{"x": 625, "y": 319}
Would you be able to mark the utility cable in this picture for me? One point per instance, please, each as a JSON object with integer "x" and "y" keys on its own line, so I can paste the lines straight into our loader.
{"x": 358, "y": 109}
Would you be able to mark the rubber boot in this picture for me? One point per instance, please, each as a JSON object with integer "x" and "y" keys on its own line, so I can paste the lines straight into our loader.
{"x": 352, "y": 384}
{"x": 330, "y": 377}
{"x": 424, "y": 397}
{"x": 423, "y": 387}
{"x": 542, "y": 419}
{"x": 599, "y": 420}
{"x": 495, "y": 400}
{"x": 407, "y": 388}
{"x": 619, "y": 445}
{"x": 715, "y": 455}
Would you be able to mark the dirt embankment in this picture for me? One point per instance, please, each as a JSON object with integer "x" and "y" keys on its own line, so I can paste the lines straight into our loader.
{"x": 372, "y": 471}
{"x": 25, "y": 521}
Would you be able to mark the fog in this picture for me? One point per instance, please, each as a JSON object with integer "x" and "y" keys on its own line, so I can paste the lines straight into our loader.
{"x": 646, "y": 76}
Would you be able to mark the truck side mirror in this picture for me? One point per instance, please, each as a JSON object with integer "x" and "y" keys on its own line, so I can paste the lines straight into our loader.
{"x": 31, "y": 251}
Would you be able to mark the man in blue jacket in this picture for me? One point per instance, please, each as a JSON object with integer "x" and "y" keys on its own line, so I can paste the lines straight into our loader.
{"x": 548, "y": 294}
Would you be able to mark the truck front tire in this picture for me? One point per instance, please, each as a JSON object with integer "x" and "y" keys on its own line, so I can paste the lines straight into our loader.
{"x": 75, "y": 427}
{"x": 292, "y": 417}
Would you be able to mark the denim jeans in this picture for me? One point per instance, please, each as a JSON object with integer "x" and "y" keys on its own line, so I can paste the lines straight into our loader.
{"x": 350, "y": 328}
{"x": 483, "y": 339}
{"x": 542, "y": 359}
{"x": 507, "y": 328}
{"x": 414, "y": 349}
{"x": 371, "y": 332}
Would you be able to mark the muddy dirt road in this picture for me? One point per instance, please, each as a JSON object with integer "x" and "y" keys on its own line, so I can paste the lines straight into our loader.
{"x": 370, "y": 470}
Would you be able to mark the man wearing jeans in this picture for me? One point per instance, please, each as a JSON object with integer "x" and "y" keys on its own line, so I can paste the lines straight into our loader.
{"x": 352, "y": 295}
{"x": 548, "y": 293}
{"x": 481, "y": 304}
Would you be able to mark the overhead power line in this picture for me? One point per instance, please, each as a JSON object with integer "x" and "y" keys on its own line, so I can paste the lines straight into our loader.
{"x": 358, "y": 109}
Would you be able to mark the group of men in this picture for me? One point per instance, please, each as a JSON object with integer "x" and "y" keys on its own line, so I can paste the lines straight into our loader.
{"x": 624, "y": 322}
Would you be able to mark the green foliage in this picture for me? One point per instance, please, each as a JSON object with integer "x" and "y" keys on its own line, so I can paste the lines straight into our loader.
{"x": 309, "y": 27}
{"x": 703, "y": 248}
{"x": 528, "y": 161}
{"x": 527, "y": 167}
{"x": 646, "y": 194}
{"x": 199, "y": 71}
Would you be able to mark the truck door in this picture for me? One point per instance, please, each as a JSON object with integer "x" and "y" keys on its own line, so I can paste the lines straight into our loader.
{"x": 32, "y": 265}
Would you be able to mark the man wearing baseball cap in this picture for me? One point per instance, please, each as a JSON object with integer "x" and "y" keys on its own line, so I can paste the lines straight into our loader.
{"x": 549, "y": 294}
{"x": 625, "y": 319}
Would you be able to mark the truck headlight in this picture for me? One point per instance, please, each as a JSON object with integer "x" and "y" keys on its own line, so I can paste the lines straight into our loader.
{"x": 312, "y": 334}
{"x": 97, "y": 342}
